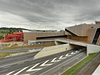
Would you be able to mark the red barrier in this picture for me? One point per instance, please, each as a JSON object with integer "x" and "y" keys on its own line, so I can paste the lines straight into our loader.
{"x": 17, "y": 36}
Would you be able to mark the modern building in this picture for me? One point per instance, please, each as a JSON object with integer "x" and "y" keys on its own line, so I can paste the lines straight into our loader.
{"x": 43, "y": 35}
{"x": 85, "y": 37}
{"x": 88, "y": 33}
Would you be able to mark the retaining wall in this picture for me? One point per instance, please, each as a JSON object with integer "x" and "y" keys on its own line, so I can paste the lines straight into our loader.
{"x": 46, "y": 51}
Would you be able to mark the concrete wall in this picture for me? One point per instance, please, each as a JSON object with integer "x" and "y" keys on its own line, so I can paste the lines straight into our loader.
{"x": 85, "y": 32}
{"x": 60, "y": 42}
{"x": 82, "y": 29}
{"x": 53, "y": 50}
{"x": 92, "y": 48}
{"x": 86, "y": 27}
{"x": 30, "y": 42}
{"x": 33, "y": 35}
{"x": 91, "y": 34}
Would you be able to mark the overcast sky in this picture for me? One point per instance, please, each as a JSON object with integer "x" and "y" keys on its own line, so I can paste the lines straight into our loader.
{"x": 48, "y": 14}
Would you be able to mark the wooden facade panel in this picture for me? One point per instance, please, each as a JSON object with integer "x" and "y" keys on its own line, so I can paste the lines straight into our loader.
{"x": 77, "y": 29}
{"x": 33, "y": 35}
{"x": 91, "y": 34}
{"x": 78, "y": 38}
{"x": 82, "y": 30}
{"x": 98, "y": 42}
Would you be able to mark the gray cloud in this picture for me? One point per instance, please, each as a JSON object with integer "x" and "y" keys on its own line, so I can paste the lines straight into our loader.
{"x": 48, "y": 14}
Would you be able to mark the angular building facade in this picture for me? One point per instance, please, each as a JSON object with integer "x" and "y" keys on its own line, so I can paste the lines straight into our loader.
{"x": 84, "y": 32}
{"x": 43, "y": 35}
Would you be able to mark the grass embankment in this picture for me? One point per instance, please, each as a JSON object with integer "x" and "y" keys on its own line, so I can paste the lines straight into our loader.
{"x": 31, "y": 46}
{"x": 2, "y": 33}
{"x": 2, "y": 55}
{"x": 80, "y": 65}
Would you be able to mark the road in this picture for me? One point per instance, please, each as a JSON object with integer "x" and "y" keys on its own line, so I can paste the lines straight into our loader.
{"x": 18, "y": 58}
{"x": 90, "y": 67}
{"x": 39, "y": 66}
{"x": 61, "y": 66}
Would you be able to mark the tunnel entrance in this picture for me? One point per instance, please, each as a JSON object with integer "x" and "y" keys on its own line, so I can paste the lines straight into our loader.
{"x": 80, "y": 48}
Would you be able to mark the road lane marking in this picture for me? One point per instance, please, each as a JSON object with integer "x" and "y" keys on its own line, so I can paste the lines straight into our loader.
{"x": 32, "y": 68}
{"x": 10, "y": 73}
{"x": 72, "y": 52}
{"x": 25, "y": 74}
{"x": 44, "y": 64}
{"x": 61, "y": 57}
{"x": 54, "y": 60}
{"x": 62, "y": 64}
{"x": 66, "y": 55}
{"x": 20, "y": 71}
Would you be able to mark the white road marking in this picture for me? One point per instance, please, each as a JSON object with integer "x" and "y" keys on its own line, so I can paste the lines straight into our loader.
{"x": 54, "y": 60}
{"x": 72, "y": 52}
{"x": 32, "y": 68}
{"x": 25, "y": 74}
{"x": 66, "y": 54}
{"x": 10, "y": 73}
{"x": 44, "y": 64}
{"x": 61, "y": 57}
{"x": 20, "y": 71}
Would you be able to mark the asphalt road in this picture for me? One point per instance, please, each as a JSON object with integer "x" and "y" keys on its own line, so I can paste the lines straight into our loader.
{"x": 90, "y": 67}
{"x": 61, "y": 66}
{"x": 16, "y": 59}
{"x": 38, "y": 66}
